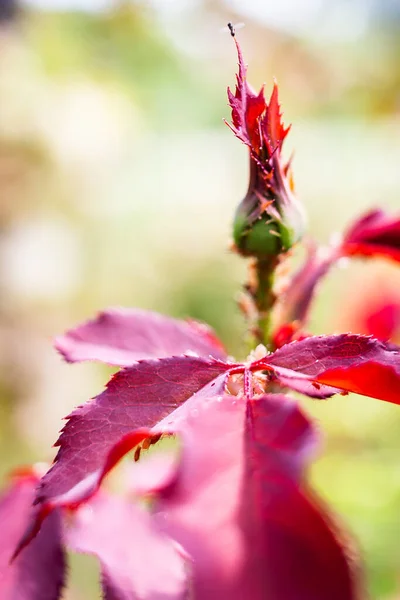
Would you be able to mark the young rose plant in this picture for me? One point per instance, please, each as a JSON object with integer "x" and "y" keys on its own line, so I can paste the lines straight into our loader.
{"x": 229, "y": 514}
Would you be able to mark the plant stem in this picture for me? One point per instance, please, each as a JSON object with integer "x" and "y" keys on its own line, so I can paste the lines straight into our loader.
{"x": 264, "y": 298}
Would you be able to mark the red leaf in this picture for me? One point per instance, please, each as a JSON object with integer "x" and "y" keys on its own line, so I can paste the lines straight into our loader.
{"x": 297, "y": 553}
{"x": 276, "y": 422}
{"x": 383, "y": 322}
{"x": 235, "y": 504}
{"x": 202, "y": 509}
{"x": 136, "y": 396}
{"x": 372, "y": 379}
{"x": 137, "y": 560}
{"x": 303, "y": 384}
{"x": 295, "y": 301}
{"x": 233, "y": 507}
{"x": 200, "y": 512}
{"x": 374, "y": 234}
{"x": 122, "y": 336}
{"x": 236, "y": 510}
{"x": 143, "y": 480}
{"x": 374, "y": 310}
{"x": 353, "y": 363}
{"x": 38, "y": 573}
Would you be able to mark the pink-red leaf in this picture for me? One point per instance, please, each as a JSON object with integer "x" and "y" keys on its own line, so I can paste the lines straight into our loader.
{"x": 375, "y": 311}
{"x": 143, "y": 480}
{"x": 383, "y": 322}
{"x": 202, "y": 511}
{"x": 232, "y": 507}
{"x": 374, "y": 234}
{"x": 38, "y": 573}
{"x": 303, "y": 384}
{"x": 137, "y": 560}
{"x": 297, "y": 553}
{"x": 295, "y": 301}
{"x": 353, "y": 363}
{"x": 122, "y": 336}
{"x": 137, "y": 396}
{"x": 237, "y": 508}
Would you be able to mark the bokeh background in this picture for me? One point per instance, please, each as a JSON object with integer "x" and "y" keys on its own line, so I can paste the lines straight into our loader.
{"x": 118, "y": 181}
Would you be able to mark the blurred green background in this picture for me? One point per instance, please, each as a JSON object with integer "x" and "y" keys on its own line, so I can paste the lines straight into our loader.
{"x": 118, "y": 181}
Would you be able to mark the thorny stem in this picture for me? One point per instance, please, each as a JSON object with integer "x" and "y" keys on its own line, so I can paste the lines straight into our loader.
{"x": 260, "y": 288}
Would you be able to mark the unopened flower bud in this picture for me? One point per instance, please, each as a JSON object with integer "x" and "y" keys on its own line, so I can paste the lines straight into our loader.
{"x": 270, "y": 219}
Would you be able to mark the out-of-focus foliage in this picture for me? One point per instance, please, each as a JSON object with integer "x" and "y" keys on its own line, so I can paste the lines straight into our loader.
{"x": 125, "y": 50}
{"x": 118, "y": 183}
